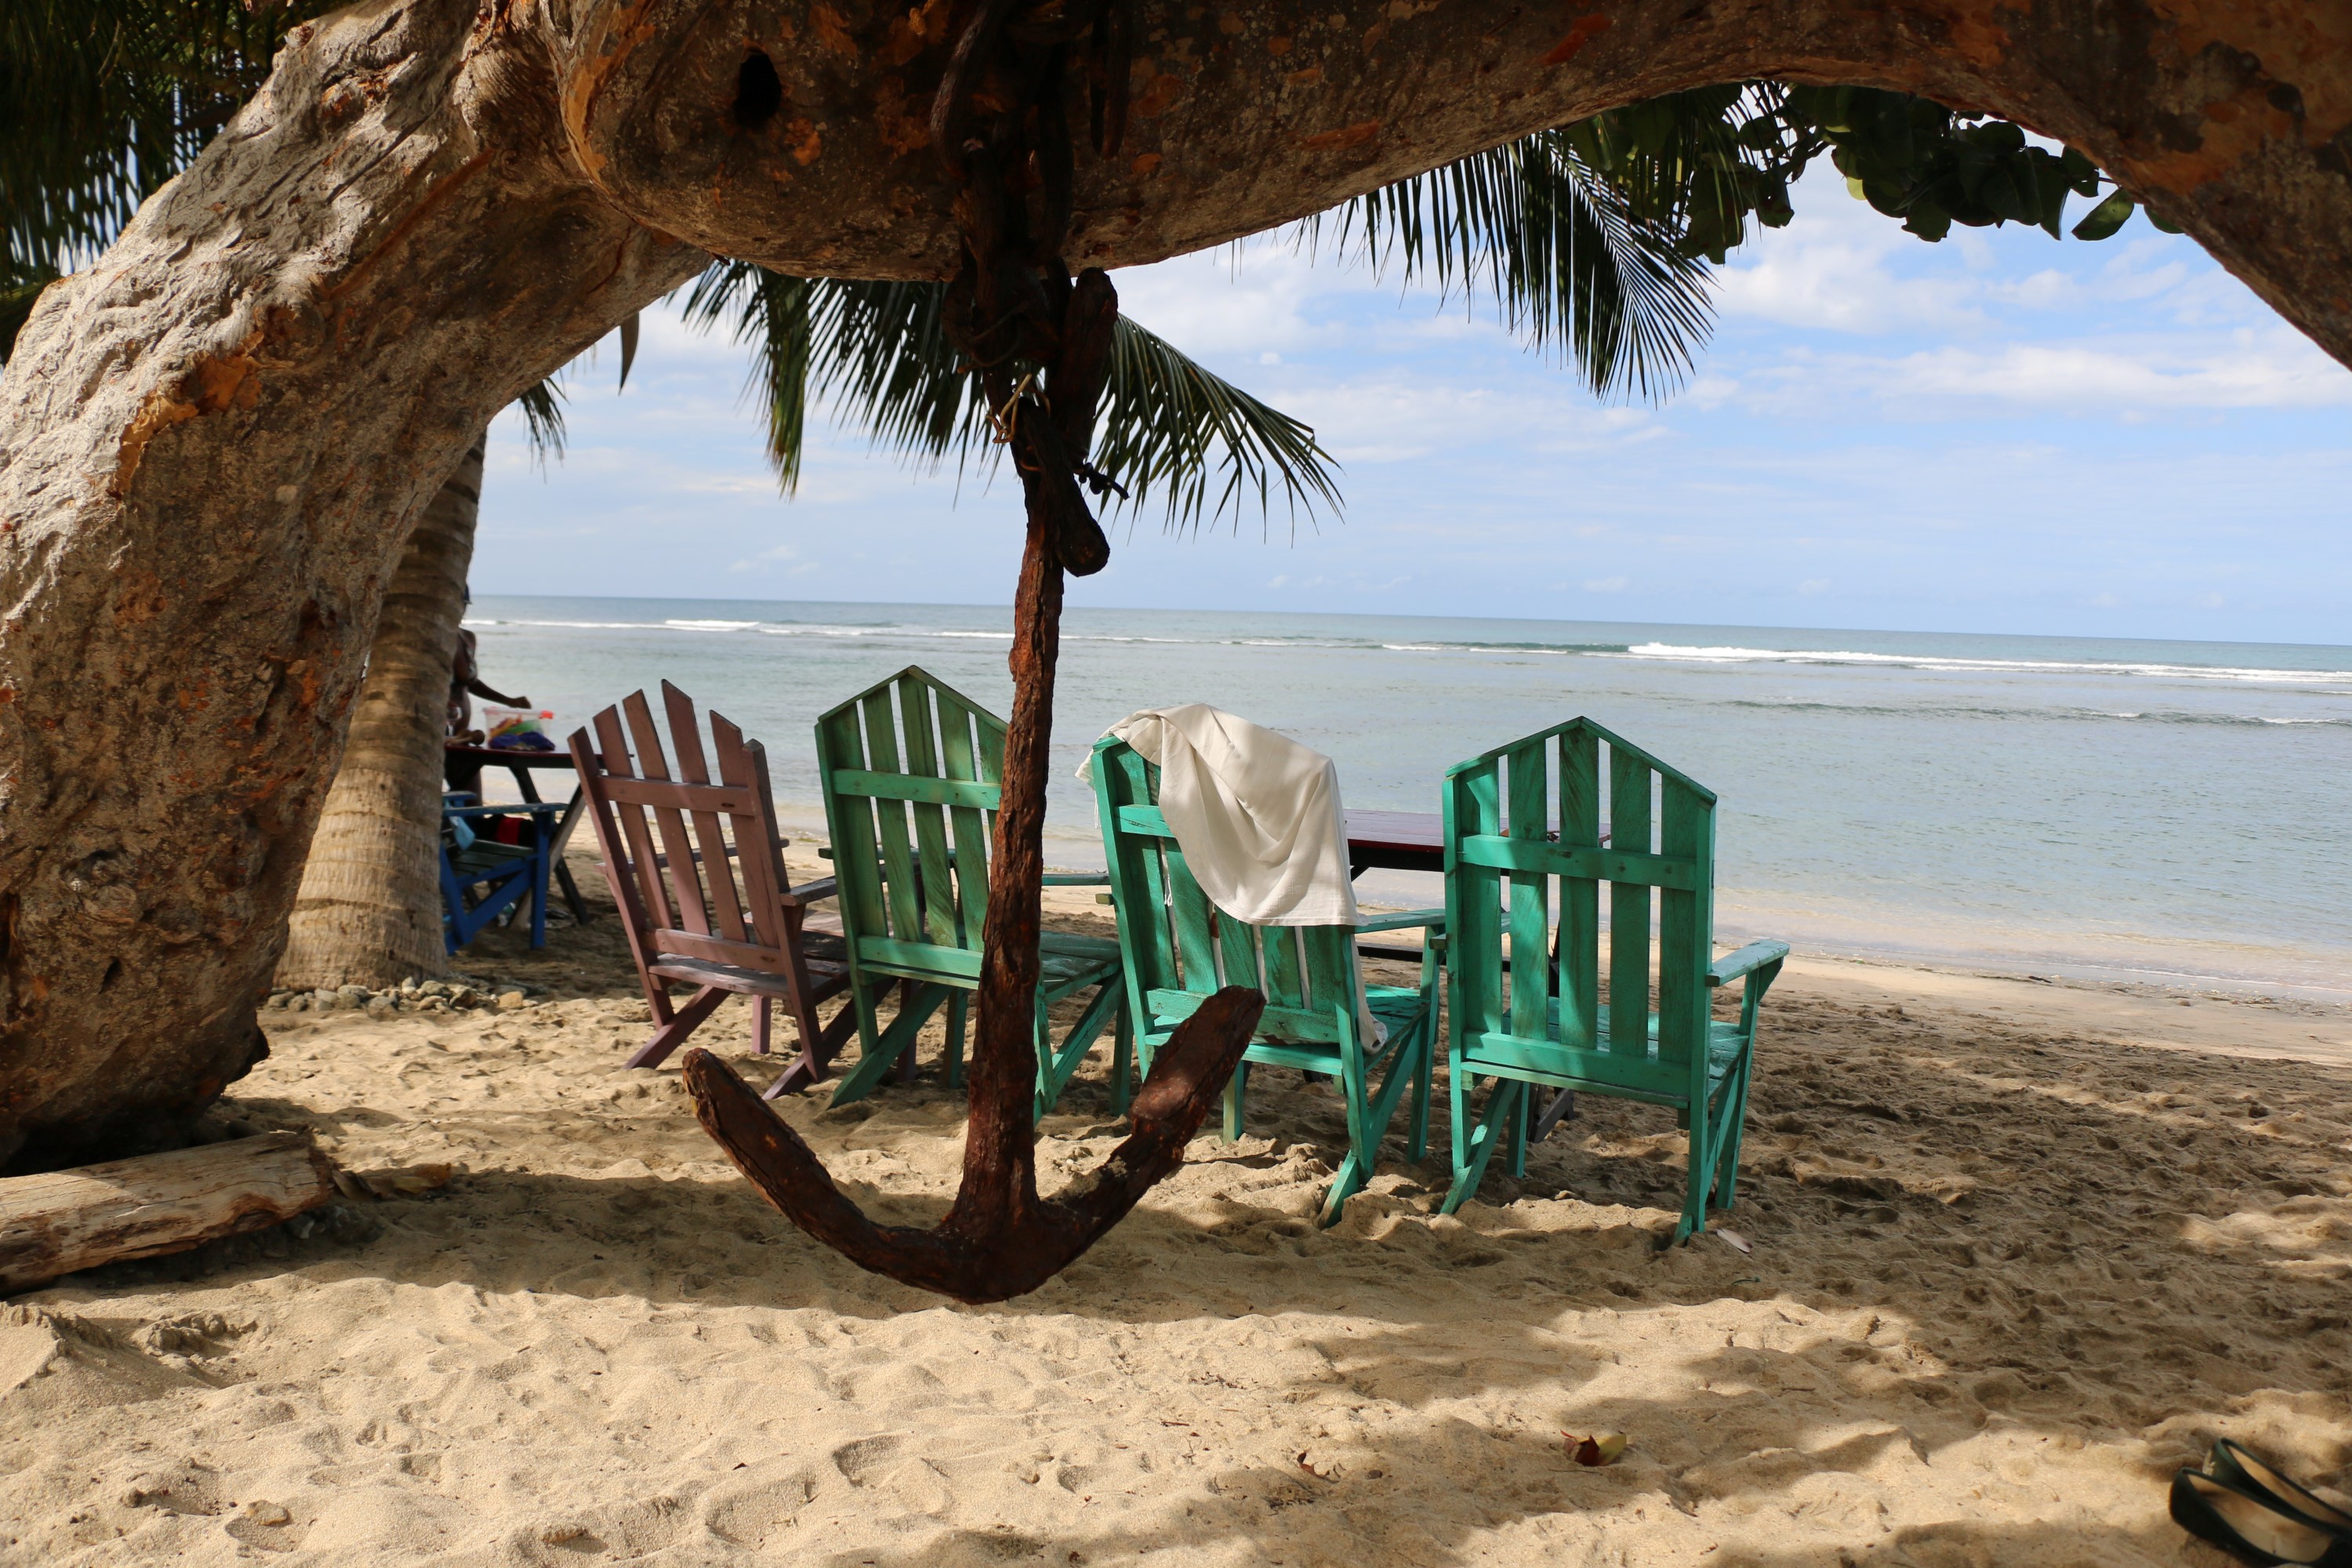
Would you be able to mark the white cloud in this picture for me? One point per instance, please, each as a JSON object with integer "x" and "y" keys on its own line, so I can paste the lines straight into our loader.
{"x": 2276, "y": 368}
{"x": 1606, "y": 584}
{"x": 1244, "y": 301}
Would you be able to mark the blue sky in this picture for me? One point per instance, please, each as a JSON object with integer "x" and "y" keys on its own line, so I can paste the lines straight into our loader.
{"x": 2001, "y": 433}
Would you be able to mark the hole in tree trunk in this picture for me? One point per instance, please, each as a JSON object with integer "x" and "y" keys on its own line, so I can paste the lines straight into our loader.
{"x": 113, "y": 972}
{"x": 759, "y": 91}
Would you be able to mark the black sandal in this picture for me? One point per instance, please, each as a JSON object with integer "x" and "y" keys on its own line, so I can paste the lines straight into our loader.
{"x": 2247, "y": 1526}
{"x": 2233, "y": 1464}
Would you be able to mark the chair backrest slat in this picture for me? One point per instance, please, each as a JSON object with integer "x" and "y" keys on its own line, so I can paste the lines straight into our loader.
{"x": 636, "y": 842}
{"x": 685, "y": 887}
{"x": 1628, "y": 908}
{"x": 1579, "y": 898}
{"x": 890, "y": 818}
{"x": 941, "y": 923}
{"x": 969, "y": 824}
{"x": 686, "y": 734}
{"x": 1528, "y": 782}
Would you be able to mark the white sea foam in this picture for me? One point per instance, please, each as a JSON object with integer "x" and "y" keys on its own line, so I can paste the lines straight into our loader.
{"x": 1679, "y": 652}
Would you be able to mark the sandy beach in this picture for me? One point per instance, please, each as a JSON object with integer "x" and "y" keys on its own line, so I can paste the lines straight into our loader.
{"x": 2019, "y": 1249}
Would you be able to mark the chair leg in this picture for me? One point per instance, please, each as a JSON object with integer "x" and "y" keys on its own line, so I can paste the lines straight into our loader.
{"x": 817, "y": 1051}
{"x": 958, "y": 1013}
{"x": 1735, "y": 1110}
{"x": 1426, "y": 1071}
{"x": 1520, "y": 1120}
{"x": 1407, "y": 1069}
{"x": 874, "y": 1065}
{"x": 672, "y": 1034}
{"x": 903, "y": 1069}
{"x": 761, "y": 1008}
{"x": 1056, "y": 1065}
{"x": 1236, "y": 1087}
{"x": 1122, "y": 1058}
{"x": 1468, "y": 1172}
{"x": 1700, "y": 1178}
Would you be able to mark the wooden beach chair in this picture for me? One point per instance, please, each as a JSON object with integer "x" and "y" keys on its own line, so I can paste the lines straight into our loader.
{"x": 911, "y": 770}
{"x": 1545, "y": 1022}
{"x": 1180, "y": 949}
{"x": 696, "y": 868}
{"x": 483, "y": 875}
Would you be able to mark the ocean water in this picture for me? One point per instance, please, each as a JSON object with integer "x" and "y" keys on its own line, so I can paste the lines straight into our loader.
{"x": 2173, "y": 812}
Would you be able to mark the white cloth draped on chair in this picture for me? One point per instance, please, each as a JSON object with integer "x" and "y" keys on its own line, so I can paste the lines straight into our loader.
{"x": 1257, "y": 813}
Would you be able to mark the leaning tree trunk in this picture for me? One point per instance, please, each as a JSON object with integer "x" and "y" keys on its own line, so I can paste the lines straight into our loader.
{"x": 370, "y": 909}
{"x": 213, "y": 443}
{"x": 214, "y": 438}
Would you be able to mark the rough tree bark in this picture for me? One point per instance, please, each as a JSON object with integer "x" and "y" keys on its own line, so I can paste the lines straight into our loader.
{"x": 214, "y": 441}
{"x": 369, "y": 912}
{"x": 214, "y": 436}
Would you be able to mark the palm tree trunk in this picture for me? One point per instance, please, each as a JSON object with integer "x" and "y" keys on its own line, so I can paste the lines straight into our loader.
{"x": 369, "y": 912}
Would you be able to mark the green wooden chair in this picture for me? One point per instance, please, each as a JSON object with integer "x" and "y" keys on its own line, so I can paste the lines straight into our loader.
{"x": 1180, "y": 948}
{"x": 910, "y": 771}
{"x": 1523, "y": 822}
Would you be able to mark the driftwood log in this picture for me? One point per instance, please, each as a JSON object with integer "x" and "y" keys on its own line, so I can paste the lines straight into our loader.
{"x": 67, "y": 1220}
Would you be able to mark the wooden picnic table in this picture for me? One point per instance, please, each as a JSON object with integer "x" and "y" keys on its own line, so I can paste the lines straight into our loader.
{"x": 522, "y": 764}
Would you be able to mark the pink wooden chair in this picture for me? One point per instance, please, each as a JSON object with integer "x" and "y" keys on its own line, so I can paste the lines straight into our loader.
{"x": 697, "y": 870}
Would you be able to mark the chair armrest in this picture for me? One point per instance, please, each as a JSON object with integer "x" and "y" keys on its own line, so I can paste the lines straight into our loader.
{"x": 1752, "y": 957}
{"x": 533, "y": 808}
{"x": 813, "y": 892}
{"x": 824, "y": 851}
{"x": 1078, "y": 880}
{"x": 1405, "y": 920}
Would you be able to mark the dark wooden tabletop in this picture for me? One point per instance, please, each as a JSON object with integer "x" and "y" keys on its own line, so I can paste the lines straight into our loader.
{"x": 1395, "y": 841}
{"x": 1399, "y": 841}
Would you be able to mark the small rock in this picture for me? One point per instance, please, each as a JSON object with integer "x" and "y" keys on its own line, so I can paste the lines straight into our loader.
{"x": 356, "y": 996}
{"x": 436, "y": 988}
{"x": 382, "y": 1007}
{"x": 467, "y": 996}
{"x": 267, "y": 1513}
{"x": 327, "y": 1001}
{"x": 298, "y": 1004}
{"x": 511, "y": 1001}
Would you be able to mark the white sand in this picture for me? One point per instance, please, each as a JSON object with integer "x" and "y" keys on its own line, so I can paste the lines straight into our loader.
{"x": 2020, "y": 1249}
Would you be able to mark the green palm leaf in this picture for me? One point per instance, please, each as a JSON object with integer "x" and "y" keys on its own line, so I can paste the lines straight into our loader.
{"x": 878, "y": 351}
{"x": 1562, "y": 250}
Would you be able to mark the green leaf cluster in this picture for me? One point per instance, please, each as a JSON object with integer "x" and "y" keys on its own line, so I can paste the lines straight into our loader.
{"x": 879, "y": 352}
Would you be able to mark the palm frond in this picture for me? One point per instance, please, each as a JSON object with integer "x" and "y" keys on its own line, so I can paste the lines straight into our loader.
{"x": 877, "y": 354}
{"x": 1563, "y": 251}
{"x": 101, "y": 104}
{"x": 542, "y": 414}
{"x": 1167, "y": 422}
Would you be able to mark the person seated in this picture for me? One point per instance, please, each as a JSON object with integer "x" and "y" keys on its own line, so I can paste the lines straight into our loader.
{"x": 466, "y": 683}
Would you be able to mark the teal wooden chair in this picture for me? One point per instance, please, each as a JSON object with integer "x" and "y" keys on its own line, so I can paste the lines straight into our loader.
{"x": 911, "y": 770}
{"x": 1180, "y": 949}
{"x": 1524, "y": 867}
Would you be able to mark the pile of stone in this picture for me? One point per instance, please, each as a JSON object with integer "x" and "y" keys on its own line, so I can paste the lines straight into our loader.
{"x": 458, "y": 993}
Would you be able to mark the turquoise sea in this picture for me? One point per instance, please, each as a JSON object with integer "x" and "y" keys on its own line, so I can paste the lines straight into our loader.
{"x": 2174, "y": 812}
